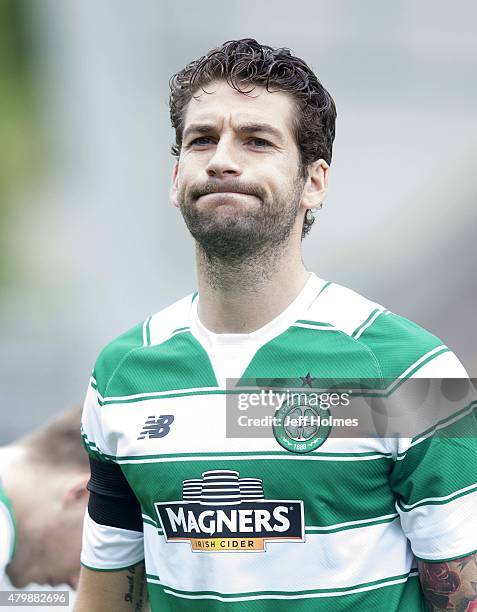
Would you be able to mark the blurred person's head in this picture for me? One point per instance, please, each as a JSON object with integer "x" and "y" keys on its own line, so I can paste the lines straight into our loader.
{"x": 45, "y": 476}
{"x": 244, "y": 190}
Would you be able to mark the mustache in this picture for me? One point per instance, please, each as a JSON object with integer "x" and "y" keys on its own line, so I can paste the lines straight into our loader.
{"x": 229, "y": 185}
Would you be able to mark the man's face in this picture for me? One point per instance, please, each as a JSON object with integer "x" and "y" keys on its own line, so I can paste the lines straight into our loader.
{"x": 50, "y": 553}
{"x": 62, "y": 547}
{"x": 238, "y": 180}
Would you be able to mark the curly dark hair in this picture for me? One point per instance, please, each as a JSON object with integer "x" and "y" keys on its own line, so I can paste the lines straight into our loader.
{"x": 245, "y": 63}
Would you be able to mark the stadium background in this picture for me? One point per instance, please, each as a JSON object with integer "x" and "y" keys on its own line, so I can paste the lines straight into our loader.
{"x": 89, "y": 244}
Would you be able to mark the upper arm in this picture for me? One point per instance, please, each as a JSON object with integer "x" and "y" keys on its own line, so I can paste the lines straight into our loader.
{"x": 450, "y": 585}
{"x": 114, "y": 591}
{"x": 112, "y": 576}
{"x": 435, "y": 480}
{"x": 112, "y": 528}
{"x": 434, "y": 477}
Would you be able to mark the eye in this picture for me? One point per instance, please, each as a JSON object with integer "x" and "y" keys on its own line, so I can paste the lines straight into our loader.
{"x": 260, "y": 143}
{"x": 201, "y": 141}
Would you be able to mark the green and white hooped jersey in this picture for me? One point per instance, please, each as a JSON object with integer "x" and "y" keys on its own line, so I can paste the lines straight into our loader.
{"x": 7, "y": 532}
{"x": 337, "y": 528}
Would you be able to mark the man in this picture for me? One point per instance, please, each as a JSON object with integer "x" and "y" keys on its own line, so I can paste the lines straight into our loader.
{"x": 43, "y": 497}
{"x": 289, "y": 522}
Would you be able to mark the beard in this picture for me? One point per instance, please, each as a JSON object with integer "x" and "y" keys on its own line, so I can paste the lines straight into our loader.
{"x": 234, "y": 234}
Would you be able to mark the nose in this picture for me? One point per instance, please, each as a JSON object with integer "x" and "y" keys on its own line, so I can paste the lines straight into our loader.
{"x": 224, "y": 161}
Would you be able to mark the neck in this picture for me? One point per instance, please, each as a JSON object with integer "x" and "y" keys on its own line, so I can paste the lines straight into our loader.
{"x": 242, "y": 296}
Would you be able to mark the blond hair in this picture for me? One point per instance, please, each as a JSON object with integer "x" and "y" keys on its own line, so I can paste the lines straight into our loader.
{"x": 58, "y": 443}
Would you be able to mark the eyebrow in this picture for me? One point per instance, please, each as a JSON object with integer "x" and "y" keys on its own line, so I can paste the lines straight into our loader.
{"x": 243, "y": 128}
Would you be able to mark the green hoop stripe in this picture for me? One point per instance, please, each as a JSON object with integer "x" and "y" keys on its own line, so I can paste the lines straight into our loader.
{"x": 289, "y": 594}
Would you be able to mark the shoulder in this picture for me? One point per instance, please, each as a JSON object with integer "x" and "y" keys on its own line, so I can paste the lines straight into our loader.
{"x": 153, "y": 330}
{"x": 399, "y": 346}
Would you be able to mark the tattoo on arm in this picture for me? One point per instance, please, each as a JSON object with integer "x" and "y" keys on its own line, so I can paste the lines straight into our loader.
{"x": 451, "y": 585}
{"x": 136, "y": 591}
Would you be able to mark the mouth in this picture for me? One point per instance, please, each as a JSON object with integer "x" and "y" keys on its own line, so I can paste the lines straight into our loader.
{"x": 222, "y": 196}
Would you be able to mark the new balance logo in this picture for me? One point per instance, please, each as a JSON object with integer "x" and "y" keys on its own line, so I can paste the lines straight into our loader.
{"x": 156, "y": 427}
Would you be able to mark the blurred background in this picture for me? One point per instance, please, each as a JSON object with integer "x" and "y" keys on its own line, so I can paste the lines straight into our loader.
{"x": 89, "y": 244}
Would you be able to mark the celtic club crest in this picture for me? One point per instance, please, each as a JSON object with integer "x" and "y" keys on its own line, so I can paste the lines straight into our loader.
{"x": 301, "y": 428}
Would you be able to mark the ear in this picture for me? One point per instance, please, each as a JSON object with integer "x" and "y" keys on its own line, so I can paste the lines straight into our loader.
{"x": 76, "y": 491}
{"x": 316, "y": 185}
{"x": 174, "y": 188}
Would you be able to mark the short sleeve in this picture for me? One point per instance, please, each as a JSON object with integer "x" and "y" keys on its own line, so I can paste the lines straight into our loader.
{"x": 112, "y": 528}
{"x": 91, "y": 425}
{"x": 434, "y": 479}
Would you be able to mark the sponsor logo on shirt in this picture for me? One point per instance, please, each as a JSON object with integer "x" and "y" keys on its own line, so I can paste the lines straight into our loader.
{"x": 221, "y": 512}
{"x": 156, "y": 427}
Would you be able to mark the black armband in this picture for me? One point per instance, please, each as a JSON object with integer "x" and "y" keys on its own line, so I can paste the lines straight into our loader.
{"x": 112, "y": 501}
